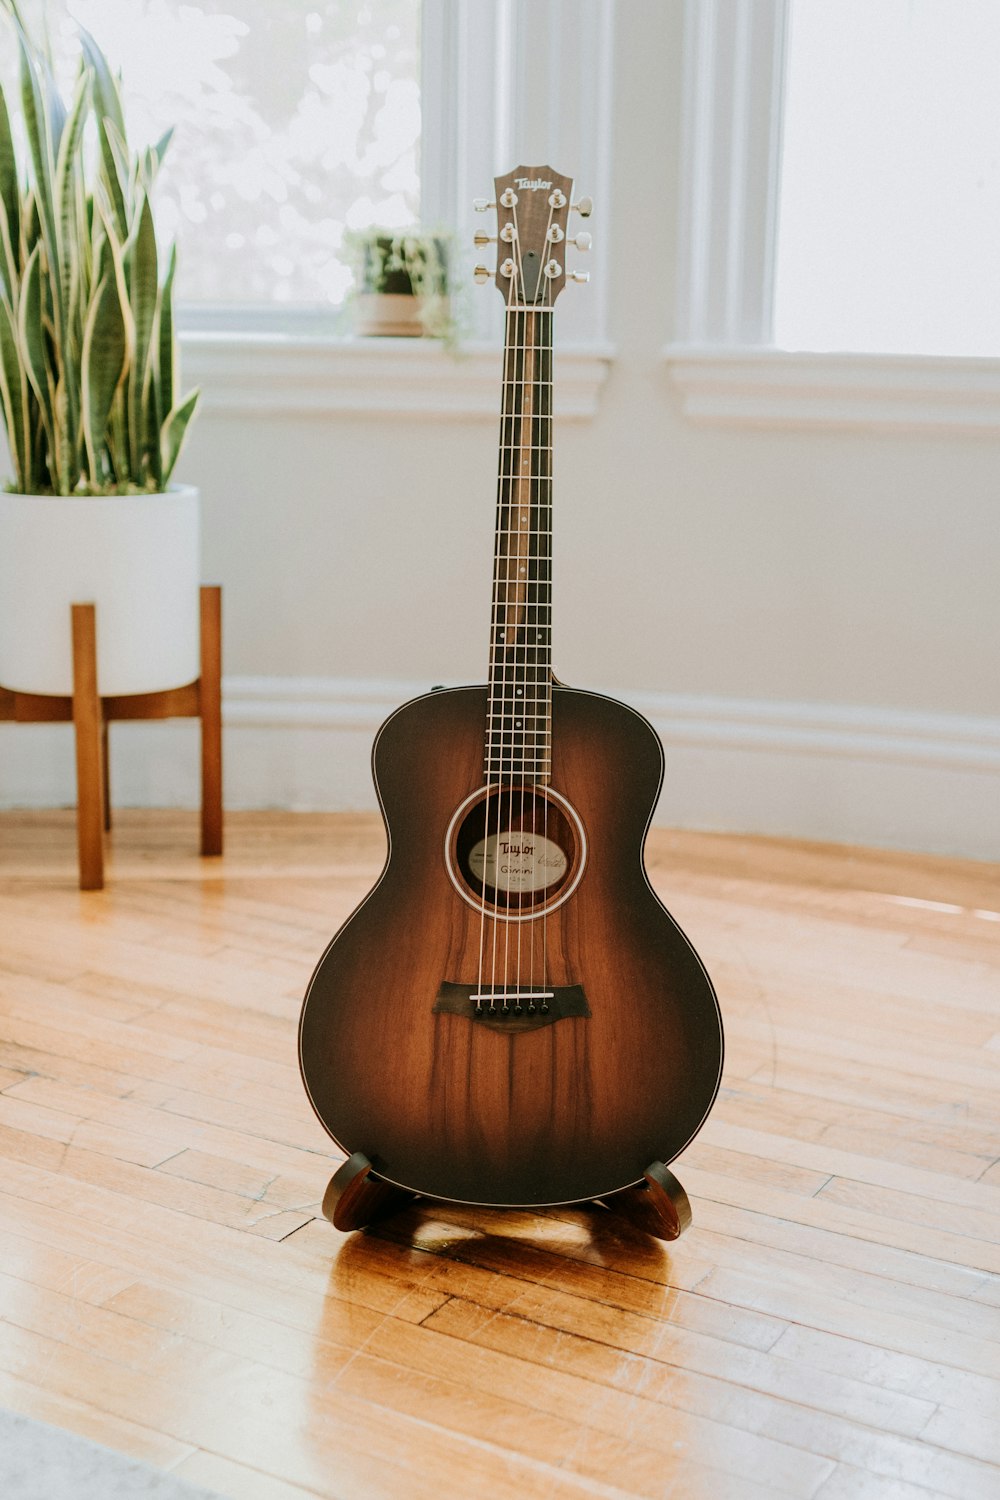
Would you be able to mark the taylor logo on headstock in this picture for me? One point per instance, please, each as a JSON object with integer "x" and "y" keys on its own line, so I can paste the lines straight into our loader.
{"x": 533, "y": 205}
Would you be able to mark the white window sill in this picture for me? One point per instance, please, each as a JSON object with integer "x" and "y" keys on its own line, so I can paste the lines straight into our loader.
{"x": 278, "y": 373}
{"x": 778, "y": 388}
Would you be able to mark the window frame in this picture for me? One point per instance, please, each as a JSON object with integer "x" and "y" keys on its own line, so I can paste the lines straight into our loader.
{"x": 721, "y": 357}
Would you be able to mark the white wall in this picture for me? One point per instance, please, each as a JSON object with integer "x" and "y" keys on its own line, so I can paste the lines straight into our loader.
{"x": 810, "y": 617}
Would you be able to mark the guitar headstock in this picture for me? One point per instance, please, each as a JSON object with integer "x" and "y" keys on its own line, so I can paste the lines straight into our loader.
{"x": 533, "y": 207}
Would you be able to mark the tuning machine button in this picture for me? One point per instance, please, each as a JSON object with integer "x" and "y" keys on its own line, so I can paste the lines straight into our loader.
{"x": 481, "y": 238}
{"x": 482, "y": 274}
{"x": 584, "y": 207}
{"x": 482, "y": 205}
{"x": 581, "y": 276}
{"x": 583, "y": 240}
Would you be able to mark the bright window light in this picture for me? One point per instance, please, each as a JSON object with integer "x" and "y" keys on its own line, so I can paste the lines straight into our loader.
{"x": 295, "y": 122}
{"x": 889, "y": 221}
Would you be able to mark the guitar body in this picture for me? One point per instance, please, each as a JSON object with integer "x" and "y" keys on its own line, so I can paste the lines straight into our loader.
{"x": 511, "y": 1017}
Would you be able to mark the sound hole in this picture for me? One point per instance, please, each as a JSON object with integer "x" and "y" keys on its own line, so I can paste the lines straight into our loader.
{"x": 516, "y": 848}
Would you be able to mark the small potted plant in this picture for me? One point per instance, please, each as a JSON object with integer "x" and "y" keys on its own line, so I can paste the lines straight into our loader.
{"x": 402, "y": 281}
{"x": 89, "y": 395}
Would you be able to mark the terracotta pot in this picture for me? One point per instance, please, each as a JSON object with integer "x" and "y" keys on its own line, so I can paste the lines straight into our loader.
{"x": 390, "y": 314}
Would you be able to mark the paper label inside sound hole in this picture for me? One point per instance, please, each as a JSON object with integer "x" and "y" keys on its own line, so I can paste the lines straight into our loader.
{"x": 517, "y": 861}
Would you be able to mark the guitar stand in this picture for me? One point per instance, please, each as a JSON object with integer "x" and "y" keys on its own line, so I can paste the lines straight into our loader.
{"x": 357, "y": 1196}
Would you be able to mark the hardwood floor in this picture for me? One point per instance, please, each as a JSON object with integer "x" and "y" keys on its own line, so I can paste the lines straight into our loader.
{"x": 828, "y": 1328}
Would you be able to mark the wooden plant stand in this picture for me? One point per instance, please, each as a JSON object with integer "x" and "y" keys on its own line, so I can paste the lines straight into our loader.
{"x": 356, "y": 1197}
{"x": 90, "y": 715}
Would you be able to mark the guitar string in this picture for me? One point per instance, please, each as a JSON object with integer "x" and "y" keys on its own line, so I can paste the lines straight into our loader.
{"x": 531, "y": 606}
{"x": 541, "y": 428}
{"x": 531, "y": 499}
{"x": 516, "y": 419}
{"x": 507, "y": 446}
{"x": 509, "y": 358}
{"x": 514, "y": 488}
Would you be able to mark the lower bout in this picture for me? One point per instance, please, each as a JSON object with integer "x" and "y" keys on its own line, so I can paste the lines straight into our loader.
{"x": 522, "y": 1121}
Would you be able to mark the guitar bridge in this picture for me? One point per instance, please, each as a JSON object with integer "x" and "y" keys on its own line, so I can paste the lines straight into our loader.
{"x": 512, "y": 1007}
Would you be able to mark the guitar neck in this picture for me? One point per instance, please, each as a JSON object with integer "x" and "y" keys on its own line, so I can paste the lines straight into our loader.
{"x": 519, "y": 724}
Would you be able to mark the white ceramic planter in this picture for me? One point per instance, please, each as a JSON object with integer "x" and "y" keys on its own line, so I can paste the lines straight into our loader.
{"x": 136, "y": 557}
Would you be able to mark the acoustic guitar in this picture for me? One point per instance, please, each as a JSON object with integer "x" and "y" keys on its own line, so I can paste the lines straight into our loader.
{"x": 511, "y": 1016}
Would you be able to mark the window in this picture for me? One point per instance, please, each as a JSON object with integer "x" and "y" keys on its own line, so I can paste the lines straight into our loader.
{"x": 791, "y": 309}
{"x": 295, "y": 122}
{"x": 274, "y": 85}
{"x": 889, "y": 194}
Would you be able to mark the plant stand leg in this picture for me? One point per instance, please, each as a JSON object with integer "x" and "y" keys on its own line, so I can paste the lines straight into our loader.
{"x": 356, "y": 1196}
{"x": 87, "y": 725}
{"x": 658, "y": 1205}
{"x": 210, "y": 698}
{"x": 106, "y": 775}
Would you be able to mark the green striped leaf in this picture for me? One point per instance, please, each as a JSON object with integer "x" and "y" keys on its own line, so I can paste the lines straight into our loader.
{"x": 106, "y": 92}
{"x": 14, "y": 395}
{"x": 111, "y": 180}
{"x": 160, "y": 149}
{"x": 31, "y": 337}
{"x": 104, "y": 356}
{"x": 174, "y": 431}
{"x": 69, "y": 207}
{"x": 67, "y": 470}
{"x": 166, "y": 360}
{"x": 9, "y": 256}
{"x": 153, "y": 422}
{"x": 142, "y": 294}
{"x": 39, "y": 144}
{"x": 69, "y": 168}
{"x": 10, "y": 190}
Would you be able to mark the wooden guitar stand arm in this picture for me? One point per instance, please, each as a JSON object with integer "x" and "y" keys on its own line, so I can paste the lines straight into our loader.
{"x": 356, "y": 1197}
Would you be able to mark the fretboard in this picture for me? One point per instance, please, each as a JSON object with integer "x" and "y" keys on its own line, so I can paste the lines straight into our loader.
{"x": 519, "y": 721}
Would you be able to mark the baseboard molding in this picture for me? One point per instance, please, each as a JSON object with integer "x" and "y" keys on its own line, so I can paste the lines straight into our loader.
{"x": 849, "y": 774}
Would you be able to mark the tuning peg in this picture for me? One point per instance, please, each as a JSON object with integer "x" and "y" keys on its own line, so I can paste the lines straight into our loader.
{"x": 585, "y": 207}
{"x": 482, "y": 205}
{"x": 582, "y": 241}
{"x": 582, "y": 276}
{"x": 481, "y": 238}
{"x": 482, "y": 274}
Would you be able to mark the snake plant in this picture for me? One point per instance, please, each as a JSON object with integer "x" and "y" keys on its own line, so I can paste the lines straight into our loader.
{"x": 88, "y": 353}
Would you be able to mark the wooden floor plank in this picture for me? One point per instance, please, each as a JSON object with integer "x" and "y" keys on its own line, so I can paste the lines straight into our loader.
{"x": 829, "y": 1329}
